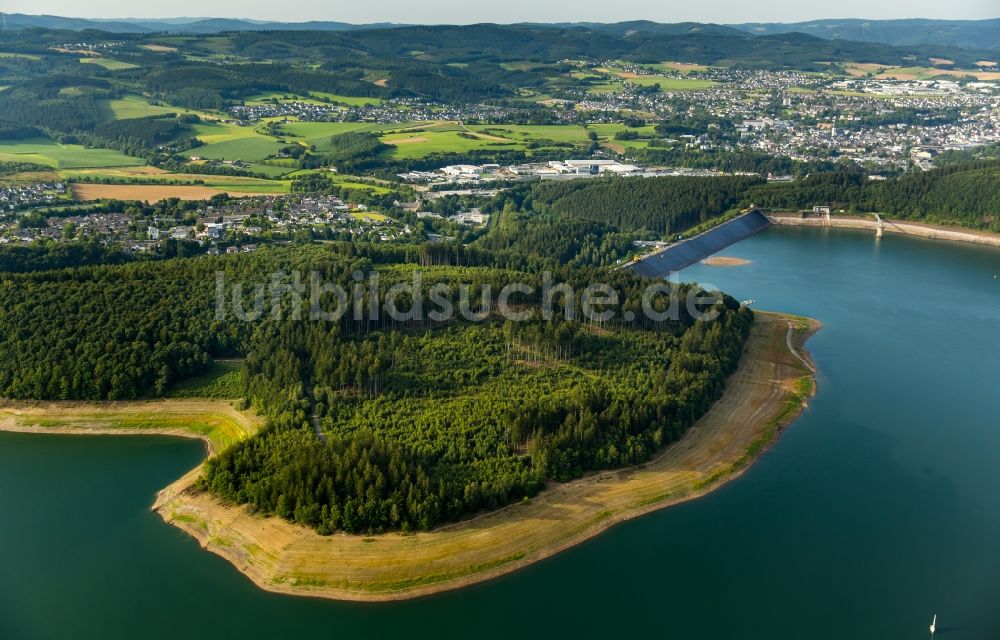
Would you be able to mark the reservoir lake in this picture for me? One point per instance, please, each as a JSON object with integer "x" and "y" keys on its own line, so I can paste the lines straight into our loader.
{"x": 877, "y": 508}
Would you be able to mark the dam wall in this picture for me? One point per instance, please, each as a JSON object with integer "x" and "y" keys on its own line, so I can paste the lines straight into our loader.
{"x": 695, "y": 249}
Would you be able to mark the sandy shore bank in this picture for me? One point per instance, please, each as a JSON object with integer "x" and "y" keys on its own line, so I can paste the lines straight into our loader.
{"x": 215, "y": 422}
{"x": 768, "y": 391}
{"x": 724, "y": 261}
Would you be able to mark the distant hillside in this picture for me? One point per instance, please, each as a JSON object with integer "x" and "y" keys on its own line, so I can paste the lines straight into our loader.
{"x": 721, "y": 46}
{"x": 975, "y": 34}
{"x": 22, "y": 21}
{"x": 198, "y": 26}
{"x": 972, "y": 34}
{"x": 392, "y": 49}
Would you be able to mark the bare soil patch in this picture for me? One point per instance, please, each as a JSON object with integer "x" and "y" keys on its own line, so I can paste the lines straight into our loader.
{"x": 724, "y": 261}
{"x": 412, "y": 140}
{"x": 152, "y": 192}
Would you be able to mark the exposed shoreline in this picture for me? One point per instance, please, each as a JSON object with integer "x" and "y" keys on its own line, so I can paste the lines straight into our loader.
{"x": 215, "y": 422}
{"x": 901, "y": 227}
{"x": 769, "y": 390}
{"x": 724, "y": 261}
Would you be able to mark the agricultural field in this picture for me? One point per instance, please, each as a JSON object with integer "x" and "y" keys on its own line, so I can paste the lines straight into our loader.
{"x": 158, "y": 48}
{"x": 528, "y": 133}
{"x": 154, "y": 176}
{"x": 666, "y": 83}
{"x": 683, "y": 84}
{"x": 11, "y": 54}
{"x": 684, "y": 67}
{"x": 281, "y": 96}
{"x": 348, "y": 182}
{"x": 351, "y": 101}
{"x": 63, "y": 156}
{"x": 155, "y": 192}
{"x": 420, "y": 143}
{"x": 137, "y": 107}
{"x": 230, "y": 142}
{"x": 272, "y": 171}
{"x": 889, "y": 72}
{"x": 318, "y": 134}
{"x": 109, "y": 64}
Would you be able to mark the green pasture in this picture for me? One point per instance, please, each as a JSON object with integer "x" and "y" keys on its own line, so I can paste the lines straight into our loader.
{"x": 59, "y": 156}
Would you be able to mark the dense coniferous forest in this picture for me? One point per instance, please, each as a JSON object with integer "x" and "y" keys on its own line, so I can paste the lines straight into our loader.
{"x": 431, "y": 421}
{"x": 595, "y": 221}
{"x": 428, "y": 419}
{"x": 965, "y": 194}
{"x": 662, "y": 205}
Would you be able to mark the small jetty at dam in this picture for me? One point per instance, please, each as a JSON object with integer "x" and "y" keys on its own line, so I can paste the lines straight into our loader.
{"x": 696, "y": 248}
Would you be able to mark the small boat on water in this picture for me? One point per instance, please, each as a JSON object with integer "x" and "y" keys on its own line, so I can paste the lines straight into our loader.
{"x": 933, "y": 625}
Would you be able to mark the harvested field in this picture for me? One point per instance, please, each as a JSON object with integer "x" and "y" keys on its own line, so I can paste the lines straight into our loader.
{"x": 152, "y": 192}
{"x": 413, "y": 140}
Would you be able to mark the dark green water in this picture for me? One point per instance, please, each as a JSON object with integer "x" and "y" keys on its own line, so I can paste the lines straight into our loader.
{"x": 878, "y": 508}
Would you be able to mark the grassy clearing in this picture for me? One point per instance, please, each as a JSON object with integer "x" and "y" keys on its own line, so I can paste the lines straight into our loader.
{"x": 138, "y": 107}
{"x": 224, "y": 380}
{"x": 12, "y": 54}
{"x": 346, "y": 182}
{"x": 369, "y": 215}
{"x": 59, "y": 156}
{"x": 109, "y": 64}
{"x": 135, "y": 107}
{"x": 290, "y": 559}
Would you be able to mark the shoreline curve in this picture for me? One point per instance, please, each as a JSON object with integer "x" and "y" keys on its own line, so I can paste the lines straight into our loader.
{"x": 768, "y": 391}
{"x": 771, "y": 387}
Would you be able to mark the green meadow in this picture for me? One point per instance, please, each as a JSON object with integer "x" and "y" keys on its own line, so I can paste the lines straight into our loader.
{"x": 420, "y": 143}
{"x": 352, "y": 101}
{"x": 318, "y": 134}
{"x": 528, "y": 133}
{"x": 230, "y": 142}
{"x": 137, "y": 107}
{"x": 109, "y": 64}
{"x": 59, "y": 156}
{"x": 11, "y": 54}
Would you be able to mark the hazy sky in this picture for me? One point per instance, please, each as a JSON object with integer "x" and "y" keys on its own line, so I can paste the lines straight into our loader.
{"x": 505, "y": 11}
